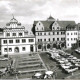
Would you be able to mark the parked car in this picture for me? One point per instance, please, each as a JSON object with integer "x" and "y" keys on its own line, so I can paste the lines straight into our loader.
{"x": 71, "y": 69}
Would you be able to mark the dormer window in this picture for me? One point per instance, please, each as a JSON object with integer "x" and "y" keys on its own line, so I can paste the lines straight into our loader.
{"x": 53, "y": 27}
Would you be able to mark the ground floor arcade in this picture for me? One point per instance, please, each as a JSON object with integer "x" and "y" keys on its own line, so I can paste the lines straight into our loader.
{"x": 49, "y": 45}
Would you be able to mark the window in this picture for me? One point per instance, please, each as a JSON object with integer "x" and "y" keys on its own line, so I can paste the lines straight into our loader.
{"x": 44, "y": 39}
{"x": 38, "y": 33}
{"x": 49, "y": 33}
{"x": 76, "y": 33}
{"x": 61, "y": 33}
{"x": 14, "y": 34}
{"x": 37, "y": 28}
{"x": 71, "y": 33}
{"x": 71, "y": 39}
{"x": 10, "y": 41}
{"x": 10, "y": 49}
{"x": 42, "y": 28}
{"x": 5, "y": 49}
{"x": 57, "y": 27}
{"x": 49, "y": 39}
{"x": 20, "y": 34}
{"x": 53, "y": 33}
{"x": 74, "y": 38}
{"x": 57, "y": 33}
{"x": 62, "y": 39}
{"x": 17, "y": 41}
{"x": 5, "y": 41}
{"x": 38, "y": 40}
{"x": 79, "y": 28}
{"x": 39, "y": 23}
{"x": 8, "y": 34}
{"x": 64, "y": 33}
{"x": 68, "y": 44}
{"x": 23, "y": 48}
{"x": 23, "y": 40}
{"x": 44, "y": 33}
{"x": 57, "y": 39}
{"x": 53, "y": 39}
{"x": 68, "y": 39}
{"x": 67, "y": 33}
{"x": 31, "y": 40}
{"x": 53, "y": 27}
{"x": 41, "y": 40}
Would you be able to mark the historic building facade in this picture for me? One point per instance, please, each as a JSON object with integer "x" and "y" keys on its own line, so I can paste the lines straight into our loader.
{"x": 14, "y": 39}
{"x": 50, "y": 33}
{"x": 71, "y": 36}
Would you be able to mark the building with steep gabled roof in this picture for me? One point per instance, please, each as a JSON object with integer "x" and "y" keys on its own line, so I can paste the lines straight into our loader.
{"x": 50, "y": 33}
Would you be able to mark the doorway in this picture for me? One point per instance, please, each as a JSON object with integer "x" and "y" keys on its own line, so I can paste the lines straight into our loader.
{"x": 31, "y": 48}
{"x": 16, "y": 49}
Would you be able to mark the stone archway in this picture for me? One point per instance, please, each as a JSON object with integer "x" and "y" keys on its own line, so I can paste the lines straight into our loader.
{"x": 62, "y": 45}
{"x": 54, "y": 45}
{"x": 16, "y": 49}
{"x": 39, "y": 46}
{"x": 48, "y": 46}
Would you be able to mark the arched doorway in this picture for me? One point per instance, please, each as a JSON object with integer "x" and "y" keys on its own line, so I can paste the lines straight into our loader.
{"x": 39, "y": 46}
{"x": 54, "y": 45}
{"x": 31, "y": 48}
{"x": 62, "y": 45}
{"x": 48, "y": 46}
{"x": 16, "y": 49}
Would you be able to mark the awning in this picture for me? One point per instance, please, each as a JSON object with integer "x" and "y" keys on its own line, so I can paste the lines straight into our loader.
{"x": 49, "y": 72}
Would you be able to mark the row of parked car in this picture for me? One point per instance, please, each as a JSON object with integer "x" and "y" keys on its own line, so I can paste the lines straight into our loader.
{"x": 66, "y": 61}
{"x": 77, "y": 50}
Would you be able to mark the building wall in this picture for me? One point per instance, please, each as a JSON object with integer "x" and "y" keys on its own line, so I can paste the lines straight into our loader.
{"x": 50, "y": 38}
{"x": 17, "y": 31}
{"x": 13, "y": 45}
{"x": 71, "y": 38}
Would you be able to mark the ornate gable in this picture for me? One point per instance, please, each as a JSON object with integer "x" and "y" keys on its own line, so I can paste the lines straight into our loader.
{"x": 56, "y": 26}
{"x": 39, "y": 26}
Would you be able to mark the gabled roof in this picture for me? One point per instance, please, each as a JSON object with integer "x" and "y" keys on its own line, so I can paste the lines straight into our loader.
{"x": 46, "y": 24}
{"x": 64, "y": 24}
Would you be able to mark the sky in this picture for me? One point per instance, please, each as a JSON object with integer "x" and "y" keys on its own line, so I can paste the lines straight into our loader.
{"x": 26, "y": 11}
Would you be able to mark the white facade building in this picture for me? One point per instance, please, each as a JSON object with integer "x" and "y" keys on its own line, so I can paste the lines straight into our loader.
{"x": 50, "y": 33}
{"x": 14, "y": 39}
{"x": 71, "y": 36}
